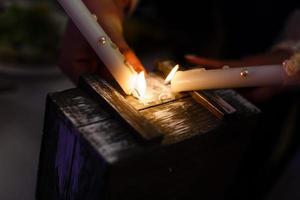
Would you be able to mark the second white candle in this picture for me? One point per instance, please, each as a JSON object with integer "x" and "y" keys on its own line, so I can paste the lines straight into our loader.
{"x": 199, "y": 79}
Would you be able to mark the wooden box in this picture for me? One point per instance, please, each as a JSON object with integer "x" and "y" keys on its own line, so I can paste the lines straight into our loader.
{"x": 91, "y": 152}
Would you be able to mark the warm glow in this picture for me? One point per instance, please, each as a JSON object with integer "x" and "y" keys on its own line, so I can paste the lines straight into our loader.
{"x": 171, "y": 74}
{"x": 140, "y": 86}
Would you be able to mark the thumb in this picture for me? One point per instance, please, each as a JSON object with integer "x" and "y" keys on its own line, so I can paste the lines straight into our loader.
{"x": 133, "y": 60}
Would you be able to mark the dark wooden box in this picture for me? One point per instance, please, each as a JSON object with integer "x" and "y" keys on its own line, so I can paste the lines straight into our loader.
{"x": 88, "y": 153}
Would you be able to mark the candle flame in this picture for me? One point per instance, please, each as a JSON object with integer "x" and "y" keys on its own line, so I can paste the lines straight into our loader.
{"x": 140, "y": 86}
{"x": 171, "y": 74}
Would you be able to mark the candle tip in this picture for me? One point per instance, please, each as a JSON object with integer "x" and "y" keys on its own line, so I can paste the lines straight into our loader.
{"x": 171, "y": 74}
{"x": 140, "y": 86}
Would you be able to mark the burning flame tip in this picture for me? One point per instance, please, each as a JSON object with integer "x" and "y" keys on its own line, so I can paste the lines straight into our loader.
{"x": 171, "y": 74}
{"x": 140, "y": 85}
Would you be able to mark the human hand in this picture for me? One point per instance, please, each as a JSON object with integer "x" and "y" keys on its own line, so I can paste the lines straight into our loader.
{"x": 258, "y": 94}
{"x": 77, "y": 57}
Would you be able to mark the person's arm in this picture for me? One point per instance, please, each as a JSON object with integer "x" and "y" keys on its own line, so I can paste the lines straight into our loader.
{"x": 77, "y": 57}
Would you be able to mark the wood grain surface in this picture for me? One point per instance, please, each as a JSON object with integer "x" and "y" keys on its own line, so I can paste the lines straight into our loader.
{"x": 90, "y": 152}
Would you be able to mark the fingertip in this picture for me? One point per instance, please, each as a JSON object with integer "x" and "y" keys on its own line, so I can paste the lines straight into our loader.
{"x": 139, "y": 69}
{"x": 190, "y": 56}
{"x": 133, "y": 60}
{"x": 194, "y": 59}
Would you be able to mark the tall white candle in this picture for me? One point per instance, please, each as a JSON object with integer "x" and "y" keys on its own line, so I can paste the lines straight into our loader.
{"x": 199, "y": 79}
{"x": 101, "y": 43}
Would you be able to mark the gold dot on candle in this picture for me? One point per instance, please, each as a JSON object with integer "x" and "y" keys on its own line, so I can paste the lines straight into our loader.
{"x": 95, "y": 17}
{"x": 102, "y": 40}
{"x": 226, "y": 67}
{"x": 244, "y": 73}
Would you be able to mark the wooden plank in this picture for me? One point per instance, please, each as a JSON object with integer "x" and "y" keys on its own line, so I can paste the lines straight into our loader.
{"x": 66, "y": 156}
{"x": 123, "y": 110}
{"x": 77, "y": 107}
{"x": 214, "y": 103}
{"x": 244, "y": 108}
{"x": 181, "y": 119}
{"x": 190, "y": 116}
{"x": 93, "y": 120}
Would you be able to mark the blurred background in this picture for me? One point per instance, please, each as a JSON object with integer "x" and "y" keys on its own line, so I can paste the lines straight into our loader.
{"x": 29, "y": 43}
{"x": 30, "y": 32}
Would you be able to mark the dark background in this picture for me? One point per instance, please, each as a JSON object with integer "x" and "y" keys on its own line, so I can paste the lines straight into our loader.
{"x": 30, "y": 33}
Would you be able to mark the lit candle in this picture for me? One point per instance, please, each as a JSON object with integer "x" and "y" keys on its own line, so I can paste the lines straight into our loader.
{"x": 199, "y": 79}
{"x": 101, "y": 43}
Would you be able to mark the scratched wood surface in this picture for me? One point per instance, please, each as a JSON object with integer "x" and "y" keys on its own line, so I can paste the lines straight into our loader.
{"x": 176, "y": 118}
{"x": 118, "y": 105}
{"x": 87, "y": 153}
{"x": 181, "y": 119}
{"x": 81, "y": 139}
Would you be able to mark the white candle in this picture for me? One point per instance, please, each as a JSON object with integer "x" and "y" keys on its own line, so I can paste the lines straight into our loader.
{"x": 101, "y": 43}
{"x": 199, "y": 79}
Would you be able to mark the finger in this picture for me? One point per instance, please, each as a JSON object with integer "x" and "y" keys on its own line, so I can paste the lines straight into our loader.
{"x": 211, "y": 63}
{"x": 133, "y": 60}
{"x": 203, "y": 61}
